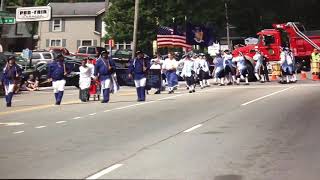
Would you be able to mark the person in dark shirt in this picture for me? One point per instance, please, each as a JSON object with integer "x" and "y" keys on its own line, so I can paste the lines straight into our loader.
{"x": 137, "y": 70}
{"x": 11, "y": 73}
{"x": 56, "y": 73}
{"x": 103, "y": 70}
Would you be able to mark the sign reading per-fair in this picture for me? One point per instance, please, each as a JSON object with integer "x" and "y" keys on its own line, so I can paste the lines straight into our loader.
{"x": 38, "y": 13}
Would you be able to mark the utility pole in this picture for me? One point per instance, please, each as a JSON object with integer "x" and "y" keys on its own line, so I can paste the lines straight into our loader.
{"x": 2, "y": 5}
{"x": 135, "y": 28}
{"x": 228, "y": 26}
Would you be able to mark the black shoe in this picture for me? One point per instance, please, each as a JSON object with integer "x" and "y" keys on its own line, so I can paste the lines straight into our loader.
{"x": 246, "y": 84}
{"x": 262, "y": 81}
{"x": 170, "y": 92}
{"x": 58, "y": 103}
{"x": 187, "y": 88}
{"x": 221, "y": 84}
{"x": 190, "y": 91}
{"x": 8, "y": 104}
{"x": 230, "y": 83}
{"x": 194, "y": 90}
{"x": 104, "y": 101}
{"x": 157, "y": 92}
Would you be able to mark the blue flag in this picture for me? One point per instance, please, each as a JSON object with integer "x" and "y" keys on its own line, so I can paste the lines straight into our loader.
{"x": 199, "y": 35}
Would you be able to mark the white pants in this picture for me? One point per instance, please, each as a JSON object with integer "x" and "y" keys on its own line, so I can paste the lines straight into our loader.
{"x": 105, "y": 84}
{"x": 58, "y": 85}
{"x": 141, "y": 82}
{"x": 9, "y": 88}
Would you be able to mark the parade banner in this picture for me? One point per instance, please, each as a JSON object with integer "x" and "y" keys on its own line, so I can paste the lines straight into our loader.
{"x": 154, "y": 78}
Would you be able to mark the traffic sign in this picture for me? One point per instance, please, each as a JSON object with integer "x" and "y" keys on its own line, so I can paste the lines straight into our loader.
{"x": 37, "y": 13}
{"x": 7, "y": 20}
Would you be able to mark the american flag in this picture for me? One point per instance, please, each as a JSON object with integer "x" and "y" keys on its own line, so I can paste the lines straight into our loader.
{"x": 167, "y": 37}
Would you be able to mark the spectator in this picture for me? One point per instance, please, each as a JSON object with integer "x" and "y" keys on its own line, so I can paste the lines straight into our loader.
{"x": 32, "y": 84}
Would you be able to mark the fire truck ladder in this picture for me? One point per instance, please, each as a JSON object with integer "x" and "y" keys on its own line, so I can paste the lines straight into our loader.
{"x": 303, "y": 36}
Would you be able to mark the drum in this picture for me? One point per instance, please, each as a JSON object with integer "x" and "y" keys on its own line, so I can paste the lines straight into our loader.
{"x": 276, "y": 69}
{"x": 315, "y": 68}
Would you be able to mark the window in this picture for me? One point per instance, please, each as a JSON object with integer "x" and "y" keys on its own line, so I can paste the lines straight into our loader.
{"x": 55, "y": 42}
{"x": 83, "y": 50}
{"x": 91, "y": 50}
{"x": 57, "y": 25}
{"x": 269, "y": 39}
{"x": 35, "y": 56}
{"x": 47, "y": 56}
{"x": 86, "y": 43}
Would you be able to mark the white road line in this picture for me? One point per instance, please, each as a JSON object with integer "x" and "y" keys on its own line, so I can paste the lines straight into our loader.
{"x": 105, "y": 171}
{"x": 18, "y": 132}
{"x": 59, "y": 122}
{"x": 244, "y": 104}
{"x": 39, "y": 127}
{"x": 92, "y": 114}
{"x": 170, "y": 97}
{"x": 193, "y": 128}
{"x": 76, "y": 117}
{"x": 17, "y": 100}
{"x": 108, "y": 110}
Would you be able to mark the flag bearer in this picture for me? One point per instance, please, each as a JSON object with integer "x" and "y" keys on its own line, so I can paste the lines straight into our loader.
{"x": 57, "y": 73}
{"x": 188, "y": 72}
{"x": 218, "y": 70}
{"x": 138, "y": 71}
{"x": 10, "y": 73}
{"x": 170, "y": 66}
{"x": 103, "y": 70}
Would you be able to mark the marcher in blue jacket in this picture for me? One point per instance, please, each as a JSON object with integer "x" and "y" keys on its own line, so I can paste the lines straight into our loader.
{"x": 103, "y": 70}
{"x": 10, "y": 73}
{"x": 137, "y": 69}
{"x": 56, "y": 73}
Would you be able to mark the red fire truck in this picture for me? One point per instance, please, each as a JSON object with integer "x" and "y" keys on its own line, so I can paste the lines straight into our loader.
{"x": 292, "y": 35}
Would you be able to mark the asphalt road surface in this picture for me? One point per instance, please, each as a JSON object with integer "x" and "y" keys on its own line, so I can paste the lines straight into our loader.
{"x": 257, "y": 132}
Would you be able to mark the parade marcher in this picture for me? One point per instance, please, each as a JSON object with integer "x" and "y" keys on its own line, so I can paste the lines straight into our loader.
{"x": 138, "y": 69}
{"x": 103, "y": 70}
{"x": 84, "y": 80}
{"x": 188, "y": 72}
{"x": 291, "y": 59}
{"x": 218, "y": 70}
{"x": 203, "y": 71}
{"x": 156, "y": 63}
{"x": 229, "y": 67}
{"x": 11, "y": 72}
{"x": 242, "y": 69}
{"x": 286, "y": 62}
{"x": 259, "y": 67}
{"x": 170, "y": 66}
{"x": 56, "y": 73}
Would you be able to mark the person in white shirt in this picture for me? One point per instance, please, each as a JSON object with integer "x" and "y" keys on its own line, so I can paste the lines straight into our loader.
{"x": 218, "y": 70}
{"x": 242, "y": 68}
{"x": 202, "y": 70}
{"x": 157, "y": 63}
{"x": 188, "y": 72}
{"x": 229, "y": 68}
{"x": 287, "y": 63}
{"x": 170, "y": 67}
{"x": 258, "y": 68}
{"x": 85, "y": 80}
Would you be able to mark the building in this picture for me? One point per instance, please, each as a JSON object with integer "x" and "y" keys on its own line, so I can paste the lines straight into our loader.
{"x": 73, "y": 25}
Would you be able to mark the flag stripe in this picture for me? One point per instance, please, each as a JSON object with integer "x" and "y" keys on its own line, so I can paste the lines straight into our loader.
{"x": 166, "y": 37}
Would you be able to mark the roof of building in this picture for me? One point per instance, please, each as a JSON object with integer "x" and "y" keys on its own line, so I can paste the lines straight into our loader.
{"x": 77, "y": 9}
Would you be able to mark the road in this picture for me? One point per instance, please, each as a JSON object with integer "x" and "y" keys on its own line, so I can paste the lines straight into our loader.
{"x": 257, "y": 132}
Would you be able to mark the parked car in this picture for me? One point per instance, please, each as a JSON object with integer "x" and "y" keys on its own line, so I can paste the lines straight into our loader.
{"x": 89, "y": 51}
{"x": 123, "y": 56}
{"x": 41, "y": 56}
